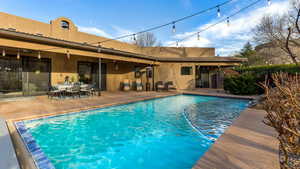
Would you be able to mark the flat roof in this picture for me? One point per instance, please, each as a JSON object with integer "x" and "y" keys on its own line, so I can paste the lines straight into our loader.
{"x": 13, "y": 34}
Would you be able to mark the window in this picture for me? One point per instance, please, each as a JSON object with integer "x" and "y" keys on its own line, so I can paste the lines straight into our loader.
{"x": 186, "y": 70}
{"x": 65, "y": 25}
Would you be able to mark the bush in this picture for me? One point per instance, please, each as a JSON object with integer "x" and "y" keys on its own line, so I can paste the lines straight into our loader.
{"x": 269, "y": 69}
{"x": 244, "y": 84}
{"x": 282, "y": 104}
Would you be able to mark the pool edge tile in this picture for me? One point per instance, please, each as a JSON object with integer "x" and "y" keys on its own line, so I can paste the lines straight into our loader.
{"x": 40, "y": 159}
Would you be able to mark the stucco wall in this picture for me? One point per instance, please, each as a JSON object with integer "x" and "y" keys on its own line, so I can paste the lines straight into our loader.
{"x": 172, "y": 72}
{"x": 54, "y": 30}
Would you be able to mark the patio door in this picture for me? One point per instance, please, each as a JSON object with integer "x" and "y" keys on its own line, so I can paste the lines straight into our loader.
{"x": 202, "y": 77}
{"x": 10, "y": 76}
{"x": 36, "y": 75}
{"x": 89, "y": 73}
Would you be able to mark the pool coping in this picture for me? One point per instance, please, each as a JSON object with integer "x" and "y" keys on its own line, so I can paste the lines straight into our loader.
{"x": 13, "y": 125}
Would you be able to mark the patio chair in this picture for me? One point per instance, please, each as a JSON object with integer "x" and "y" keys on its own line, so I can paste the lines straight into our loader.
{"x": 170, "y": 86}
{"x": 73, "y": 91}
{"x": 160, "y": 86}
{"x": 138, "y": 85}
{"x": 126, "y": 85}
{"x": 86, "y": 90}
{"x": 54, "y": 92}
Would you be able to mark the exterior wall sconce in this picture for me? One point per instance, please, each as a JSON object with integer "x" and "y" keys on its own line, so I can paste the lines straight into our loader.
{"x": 3, "y": 52}
{"x": 39, "y": 55}
{"x": 18, "y": 55}
{"x": 68, "y": 54}
{"x": 116, "y": 66}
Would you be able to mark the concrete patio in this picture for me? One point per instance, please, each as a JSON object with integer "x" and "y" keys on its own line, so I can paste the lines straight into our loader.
{"x": 248, "y": 143}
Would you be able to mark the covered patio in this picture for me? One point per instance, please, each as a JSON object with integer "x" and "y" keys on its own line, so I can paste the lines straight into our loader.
{"x": 28, "y": 72}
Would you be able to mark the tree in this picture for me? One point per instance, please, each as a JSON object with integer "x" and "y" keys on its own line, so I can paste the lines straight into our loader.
{"x": 146, "y": 39}
{"x": 249, "y": 52}
{"x": 282, "y": 31}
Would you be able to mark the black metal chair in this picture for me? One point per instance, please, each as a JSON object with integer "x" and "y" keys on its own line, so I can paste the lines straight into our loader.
{"x": 54, "y": 92}
{"x": 73, "y": 91}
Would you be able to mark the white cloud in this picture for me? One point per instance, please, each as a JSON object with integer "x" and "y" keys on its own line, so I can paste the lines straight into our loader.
{"x": 228, "y": 40}
{"x": 95, "y": 31}
{"x": 121, "y": 32}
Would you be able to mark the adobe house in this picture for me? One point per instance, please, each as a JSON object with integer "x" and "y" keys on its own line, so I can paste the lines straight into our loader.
{"x": 36, "y": 55}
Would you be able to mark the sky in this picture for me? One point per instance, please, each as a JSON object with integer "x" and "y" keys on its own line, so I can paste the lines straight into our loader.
{"x": 113, "y": 18}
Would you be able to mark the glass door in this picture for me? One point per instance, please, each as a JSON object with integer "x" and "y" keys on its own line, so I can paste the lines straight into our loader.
{"x": 10, "y": 76}
{"x": 36, "y": 75}
{"x": 89, "y": 74}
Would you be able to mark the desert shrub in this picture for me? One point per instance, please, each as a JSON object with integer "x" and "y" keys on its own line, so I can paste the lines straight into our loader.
{"x": 244, "y": 84}
{"x": 282, "y": 104}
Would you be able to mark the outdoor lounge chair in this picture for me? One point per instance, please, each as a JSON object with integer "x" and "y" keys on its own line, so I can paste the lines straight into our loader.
{"x": 170, "y": 86}
{"x": 126, "y": 85}
{"x": 160, "y": 86}
{"x": 138, "y": 85}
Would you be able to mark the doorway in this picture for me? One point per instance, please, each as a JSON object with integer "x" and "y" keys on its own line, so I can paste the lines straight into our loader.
{"x": 88, "y": 73}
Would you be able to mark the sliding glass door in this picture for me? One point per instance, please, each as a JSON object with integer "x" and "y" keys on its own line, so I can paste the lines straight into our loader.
{"x": 36, "y": 75}
{"x": 10, "y": 76}
{"x": 89, "y": 74}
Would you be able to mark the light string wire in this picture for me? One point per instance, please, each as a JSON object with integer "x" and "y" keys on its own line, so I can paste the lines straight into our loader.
{"x": 216, "y": 23}
{"x": 154, "y": 28}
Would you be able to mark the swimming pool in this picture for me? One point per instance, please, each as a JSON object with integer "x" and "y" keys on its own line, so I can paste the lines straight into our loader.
{"x": 140, "y": 135}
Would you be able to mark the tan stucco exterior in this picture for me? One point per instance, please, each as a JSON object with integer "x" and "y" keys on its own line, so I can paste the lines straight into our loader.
{"x": 30, "y": 37}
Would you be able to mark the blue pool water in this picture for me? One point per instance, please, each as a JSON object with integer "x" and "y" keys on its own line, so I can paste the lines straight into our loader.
{"x": 153, "y": 134}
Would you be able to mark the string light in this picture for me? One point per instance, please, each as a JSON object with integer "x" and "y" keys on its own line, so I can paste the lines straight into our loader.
{"x": 228, "y": 22}
{"x": 219, "y": 11}
{"x": 3, "y": 52}
{"x": 134, "y": 38}
{"x": 269, "y": 2}
{"x": 220, "y": 21}
{"x": 18, "y": 55}
{"x": 173, "y": 28}
{"x": 198, "y": 36}
{"x": 39, "y": 55}
{"x": 177, "y": 45}
{"x": 68, "y": 54}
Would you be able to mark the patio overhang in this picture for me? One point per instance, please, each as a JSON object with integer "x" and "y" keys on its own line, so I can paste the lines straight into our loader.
{"x": 21, "y": 40}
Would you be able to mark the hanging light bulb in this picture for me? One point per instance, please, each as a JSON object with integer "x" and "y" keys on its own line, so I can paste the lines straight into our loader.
{"x": 18, "y": 55}
{"x": 39, "y": 55}
{"x": 219, "y": 11}
{"x": 134, "y": 38}
{"x": 173, "y": 28}
{"x": 269, "y": 2}
{"x": 68, "y": 54}
{"x": 198, "y": 36}
{"x": 99, "y": 48}
{"x": 177, "y": 45}
{"x": 228, "y": 22}
{"x": 3, "y": 52}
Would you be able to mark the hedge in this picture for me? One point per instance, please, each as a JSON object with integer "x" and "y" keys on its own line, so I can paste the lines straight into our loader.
{"x": 244, "y": 84}
{"x": 269, "y": 69}
{"x": 247, "y": 83}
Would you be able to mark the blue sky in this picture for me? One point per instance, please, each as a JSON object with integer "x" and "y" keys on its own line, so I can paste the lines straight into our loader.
{"x": 113, "y": 18}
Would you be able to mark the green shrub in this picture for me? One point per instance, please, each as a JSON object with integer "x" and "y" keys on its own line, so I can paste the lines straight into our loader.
{"x": 244, "y": 84}
{"x": 269, "y": 69}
